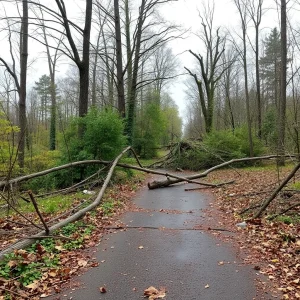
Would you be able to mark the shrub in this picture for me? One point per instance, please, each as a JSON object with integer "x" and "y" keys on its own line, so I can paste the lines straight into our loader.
{"x": 8, "y": 146}
{"x": 103, "y": 139}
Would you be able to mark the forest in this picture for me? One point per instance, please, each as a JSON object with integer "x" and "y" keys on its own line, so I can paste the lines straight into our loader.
{"x": 117, "y": 88}
{"x": 89, "y": 86}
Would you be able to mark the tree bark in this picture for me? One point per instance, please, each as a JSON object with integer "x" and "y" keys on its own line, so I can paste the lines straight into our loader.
{"x": 76, "y": 216}
{"x": 132, "y": 99}
{"x": 243, "y": 15}
{"x": 166, "y": 183}
{"x": 119, "y": 58}
{"x": 84, "y": 63}
{"x": 275, "y": 193}
{"x": 23, "y": 80}
{"x": 282, "y": 102}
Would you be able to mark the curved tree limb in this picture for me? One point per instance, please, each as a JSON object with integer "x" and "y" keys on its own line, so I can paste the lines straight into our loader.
{"x": 76, "y": 216}
{"x": 159, "y": 184}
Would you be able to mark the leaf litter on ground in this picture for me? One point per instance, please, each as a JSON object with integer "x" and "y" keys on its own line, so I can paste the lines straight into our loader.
{"x": 50, "y": 263}
{"x": 273, "y": 247}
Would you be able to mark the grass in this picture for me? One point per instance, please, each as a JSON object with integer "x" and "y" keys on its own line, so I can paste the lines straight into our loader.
{"x": 50, "y": 204}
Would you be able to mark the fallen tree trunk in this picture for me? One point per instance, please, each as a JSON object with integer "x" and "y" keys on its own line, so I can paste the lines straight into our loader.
{"x": 276, "y": 191}
{"x": 27, "y": 242}
{"x": 90, "y": 162}
{"x": 165, "y": 183}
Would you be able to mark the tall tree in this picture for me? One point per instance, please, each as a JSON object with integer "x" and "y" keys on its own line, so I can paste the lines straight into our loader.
{"x": 21, "y": 80}
{"x": 43, "y": 88}
{"x": 270, "y": 67}
{"x": 255, "y": 11}
{"x": 211, "y": 71}
{"x": 144, "y": 42}
{"x": 83, "y": 63}
{"x": 119, "y": 58}
{"x": 242, "y": 9}
{"x": 282, "y": 102}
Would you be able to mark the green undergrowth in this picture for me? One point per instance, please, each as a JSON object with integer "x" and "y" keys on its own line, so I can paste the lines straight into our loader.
{"x": 292, "y": 219}
{"x": 45, "y": 255}
{"x": 30, "y": 264}
{"x": 48, "y": 205}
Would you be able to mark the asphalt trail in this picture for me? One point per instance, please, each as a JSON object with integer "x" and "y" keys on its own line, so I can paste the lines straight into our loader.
{"x": 168, "y": 253}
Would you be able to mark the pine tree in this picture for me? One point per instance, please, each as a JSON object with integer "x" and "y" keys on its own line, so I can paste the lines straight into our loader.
{"x": 270, "y": 67}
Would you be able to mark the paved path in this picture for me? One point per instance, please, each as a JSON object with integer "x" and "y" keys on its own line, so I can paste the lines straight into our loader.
{"x": 177, "y": 257}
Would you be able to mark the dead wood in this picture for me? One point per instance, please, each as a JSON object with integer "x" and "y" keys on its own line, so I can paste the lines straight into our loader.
{"x": 38, "y": 212}
{"x": 249, "y": 208}
{"x": 14, "y": 293}
{"x": 284, "y": 211}
{"x": 165, "y": 183}
{"x": 18, "y": 212}
{"x": 210, "y": 185}
{"x": 268, "y": 201}
{"x": 72, "y": 218}
{"x": 90, "y": 162}
{"x": 58, "y": 237}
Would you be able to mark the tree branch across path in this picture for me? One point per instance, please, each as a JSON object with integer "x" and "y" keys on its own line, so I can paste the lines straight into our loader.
{"x": 165, "y": 183}
{"x": 171, "y": 179}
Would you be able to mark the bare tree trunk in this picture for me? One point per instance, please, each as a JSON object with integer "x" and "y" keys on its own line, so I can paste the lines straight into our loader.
{"x": 256, "y": 14}
{"x": 120, "y": 77}
{"x": 168, "y": 182}
{"x": 85, "y": 63}
{"x": 132, "y": 99}
{"x": 275, "y": 193}
{"x": 82, "y": 64}
{"x": 282, "y": 102}
{"x": 95, "y": 70}
{"x": 128, "y": 49}
{"x": 23, "y": 80}
{"x": 243, "y": 14}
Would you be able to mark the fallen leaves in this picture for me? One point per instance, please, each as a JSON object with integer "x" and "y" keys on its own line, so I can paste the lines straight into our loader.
{"x": 272, "y": 247}
{"x": 152, "y": 293}
{"x": 82, "y": 263}
{"x": 67, "y": 262}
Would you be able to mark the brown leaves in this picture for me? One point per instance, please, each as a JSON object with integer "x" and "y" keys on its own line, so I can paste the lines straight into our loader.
{"x": 272, "y": 248}
{"x": 152, "y": 293}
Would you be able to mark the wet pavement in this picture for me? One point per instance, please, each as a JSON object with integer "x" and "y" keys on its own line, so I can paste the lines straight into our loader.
{"x": 166, "y": 252}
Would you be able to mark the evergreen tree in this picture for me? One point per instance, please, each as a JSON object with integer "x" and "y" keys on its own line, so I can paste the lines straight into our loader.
{"x": 43, "y": 89}
{"x": 270, "y": 67}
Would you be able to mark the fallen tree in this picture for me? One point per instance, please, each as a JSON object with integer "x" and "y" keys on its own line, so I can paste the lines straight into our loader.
{"x": 168, "y": 182}
{"x": 268, "y": 201}
{"x": 8, "y": 183}
{"x": 28, "y": 241}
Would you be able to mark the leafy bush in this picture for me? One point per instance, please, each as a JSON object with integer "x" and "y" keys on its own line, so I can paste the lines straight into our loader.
{"x": 42, "y": 161}
{"x": 103, "y": 137}
{"x": 8, "y": 146}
